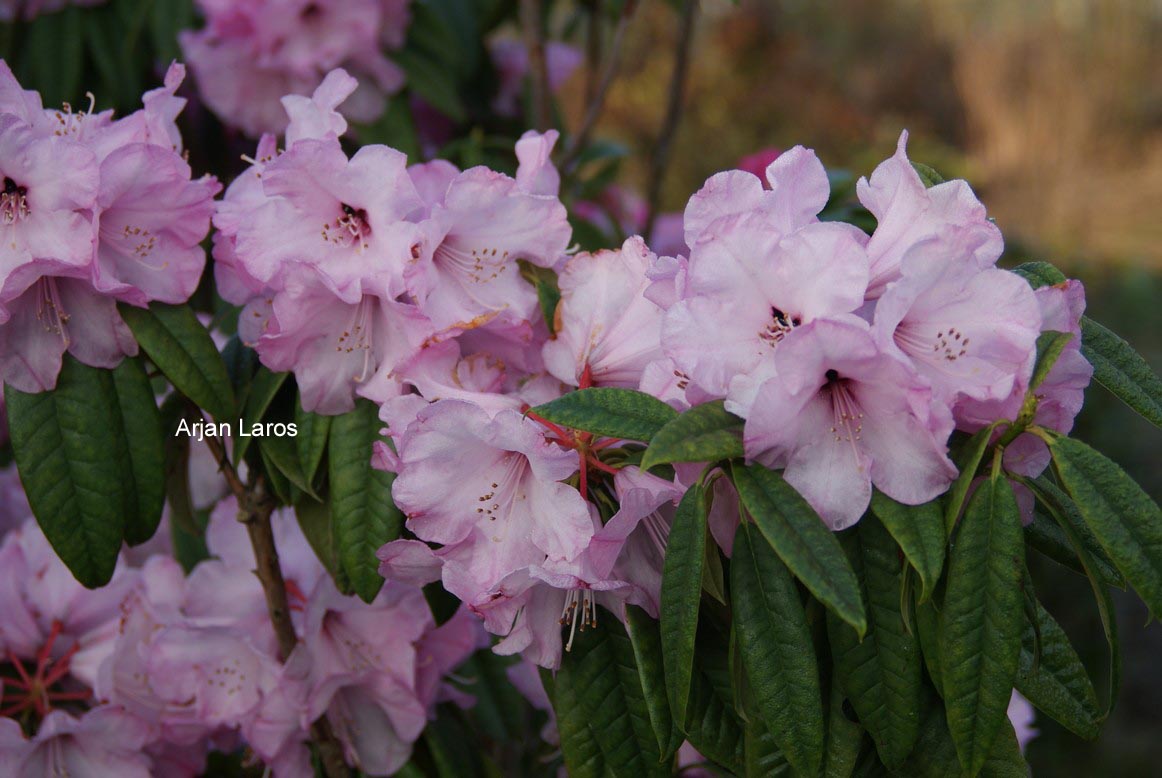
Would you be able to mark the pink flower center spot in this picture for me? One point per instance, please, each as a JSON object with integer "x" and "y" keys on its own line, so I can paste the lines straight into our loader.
{"x": 778, "y": 327}
{"x": 350, "y": 229}
{"x": 13, "y": 202}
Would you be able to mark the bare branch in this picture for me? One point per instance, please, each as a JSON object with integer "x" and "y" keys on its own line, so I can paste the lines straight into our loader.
{"x": 534, "y": 33}
{"x": 673, "y": 117}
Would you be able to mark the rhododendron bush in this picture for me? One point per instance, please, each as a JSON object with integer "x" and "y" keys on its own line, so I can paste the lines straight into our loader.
{"x": 411, "y": 444}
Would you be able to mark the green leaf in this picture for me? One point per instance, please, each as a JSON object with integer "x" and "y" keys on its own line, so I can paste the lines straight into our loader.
{"x": 1047, "y": 537}
{"x": 646, "y": 638}
{"x": 601, "y": 676}
{"x": 844, "y": 737}
{"x": 1123, "y": 518}
{"x": 362, "y": 510}
{"x": 431, "y": 80}
{"x": 982, "y": 620}
{"x": 263, "y": 387}
{"x": 776, "y": 647}
{"x": 284, "y": 455}
{"x": 53, "y": 52}
{"x": 705, "y": 433}
{"x": 1123, "y": 371}
{"x": 763, "y": 757}
{"x": 880, "y": 674}
{"x": 70, "y": 450}
{"x": 968, "y": 461}
{"x": 1057, "y": 684}
{"x": 681, "y": 596}
{"x": 1040, "y": 274}
{"x": 175, "y": 341}
{"x": 919, "y": 529}
{"x": 174, "y": 409}
{"x": 935, "y": 754}
{"x": 712, "y": 726}
{"x": 314, "y": 519}
{"x": 614, "y": 413}
{"x": 500, "y": 711}
{"x": 1050, "y": 344}
{"x": 579, "y": 746}
{"x": 311, "y": 441}
{"x": 544, "y": 280}
{"x": 451, "y": 747}
{"x": 928, "y": 175}
{"x": 928, "y": 636}
{"x": 145, "y": 449}
{"x": 801, "y": 540}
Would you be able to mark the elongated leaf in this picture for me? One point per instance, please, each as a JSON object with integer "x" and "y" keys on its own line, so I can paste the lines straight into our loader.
{"x": 682, "y": 596}
{"x": 1123, "y": 518}
{"x": 705, "y": 433}
{"x": 777, "y": 651}
{"x": 314, "y": 519}
{"x": 311, "y": 441}
{"x": 919, "y": 529}
{"x": 601, "y": 676}
{"x": 144, "y": 449}
{"x": 928, "y": 636}
{"x": 1040, "y": 274}
{"x": 174, "y": 410}
{"x": 579, "y": 746}
{"x": 844, "y": 737}
{"x": 712, "y": 726}
{"x": 982, "y": 620}
{"x": 284, "y": 455}
{"x": 263, "y": 387}
{"x": 175, "y": 341}
{"x": 801, "y": 540}
{"x": 935, "y": 753}
{"x": 362, "y": 512}
{"x": 880, "y": 674}
{"x": 67, "y": 444}
{"x": 1119, "y": 368}
{"x": 646, "y": 638}
{"x": 763, "y": 757}
{"x": 615, "y": 413}
{"x": 1047, "y": 537}
{"x": 969, "y": 460}
{"x": 1058, "y": 684}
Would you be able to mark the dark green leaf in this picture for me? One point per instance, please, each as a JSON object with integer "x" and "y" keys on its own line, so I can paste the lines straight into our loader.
{"x": 1040, "y": 274}
{"x": 262, "y": 389}
{"x": 763, "y": 757}
{"x": 615, "y": 413}
{"x": 935, "y": 754}
{"x": 70, "y": 450}
{"x": 548, "y": 292}
{"x": 801, "y": 540}
{"x": 982, "y": 620}
{"x": 601, "y": 675}
{"x": 844, "y": 737}
{"x": 582, "y": 752}
{"x": 705, "y": 433}
{"x": 1044, "y": 534}
{"x": 284, "y": 455}
{"x": 174, "y": 410}
{"x": 968, "y": 461}
{"x": 1057, "y": 684}
{"x": 682, "y": 596}
{"x": 880, "y": 674}
{"x": 311, "y": 441}
{"x": 363, "y": 514}
{"x": 919, "y": 529}
{"x": 712, "y": 726}
{"x": 928, "y": 175}
{"x": 1119, "y": 368}
{"x": 145, "y": 449}
{"x": 1123, "y": 518}
{"x": 646, "y": 638}
{"x": 314, "y": 519}
{"x": 500, "y": 710}
{"x": 431, "y": 80}
{"x": 928, "y": 636}
{"x": 175, "y": 341}
{"x": 777, "y": 651}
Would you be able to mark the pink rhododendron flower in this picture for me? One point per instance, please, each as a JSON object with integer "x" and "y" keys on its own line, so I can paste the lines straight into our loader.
{"x": 969, "y": 331}
{"x": 909, "y": 214}
{"x": 251, "y": 54}
{"x": 607, "y": 331}
{"x": 1022, "y": 717}
{"x": 105, "y": 742}
{"x": 842, "y": 415}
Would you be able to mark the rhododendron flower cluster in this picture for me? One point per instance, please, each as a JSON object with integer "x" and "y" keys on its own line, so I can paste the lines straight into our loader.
{"x": 94, "y": 211}
{"x": 147, "y": 675}
{"x": 249, "y": 55}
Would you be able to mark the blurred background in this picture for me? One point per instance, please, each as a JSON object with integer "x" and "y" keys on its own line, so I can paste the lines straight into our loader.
{"x": 1052, "y": 109}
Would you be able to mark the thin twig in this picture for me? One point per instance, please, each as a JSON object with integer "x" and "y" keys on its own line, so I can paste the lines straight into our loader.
{"x": 580, "y": 139}
{"x": 593, "y": 40}
{"x": 673, "y": 116}
{"x": 254, "y": 510}
{"x": 534, "y": 33}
